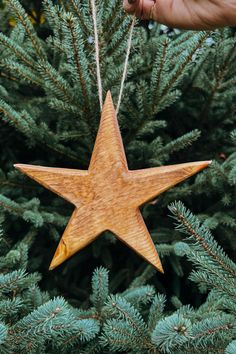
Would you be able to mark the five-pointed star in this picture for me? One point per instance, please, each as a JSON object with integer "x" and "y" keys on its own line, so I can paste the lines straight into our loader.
{"x": 108, "y": 195}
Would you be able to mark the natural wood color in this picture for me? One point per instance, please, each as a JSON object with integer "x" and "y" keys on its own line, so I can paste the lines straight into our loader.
{"x": 108, "y": 195}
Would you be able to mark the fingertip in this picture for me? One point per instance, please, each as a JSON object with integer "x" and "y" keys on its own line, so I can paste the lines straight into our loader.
{"x": 130, "y": 6}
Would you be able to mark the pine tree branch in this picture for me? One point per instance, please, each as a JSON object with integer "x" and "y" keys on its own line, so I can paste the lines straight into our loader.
{"x": 217, "y": 329}
{"x": 201, "y": 240}
{"x": 176, "y": 209}
{"x": 79, "y": 15}
{"x": 218, "y": 83}
{"x": 114, "y": 46}
{"x": 183, "y": 66}
{"x": 55, "y": 80}
{"x": 23, "y": 18}
{"x": 17, "y": 50}
{"x": 74, "y": 40}
{"x": 156, "y": 79}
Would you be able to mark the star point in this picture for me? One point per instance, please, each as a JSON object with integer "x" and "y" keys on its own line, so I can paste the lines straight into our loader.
{"x": 108, "y": 195}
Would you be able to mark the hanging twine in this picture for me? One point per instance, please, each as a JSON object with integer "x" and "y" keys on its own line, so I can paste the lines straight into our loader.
{"x": 99, "y": 80}
{"x": 125, "y": 65}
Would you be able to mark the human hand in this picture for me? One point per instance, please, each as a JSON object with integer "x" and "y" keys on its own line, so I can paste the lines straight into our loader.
{"x": 186, "y": 14}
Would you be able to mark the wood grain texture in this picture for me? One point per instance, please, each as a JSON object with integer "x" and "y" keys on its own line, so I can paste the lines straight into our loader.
{"x": 108, "y": 195}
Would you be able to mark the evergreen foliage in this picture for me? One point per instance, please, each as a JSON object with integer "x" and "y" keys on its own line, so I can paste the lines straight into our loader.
{"x": 178, "y": 105}
{"x": 135, "y": 320}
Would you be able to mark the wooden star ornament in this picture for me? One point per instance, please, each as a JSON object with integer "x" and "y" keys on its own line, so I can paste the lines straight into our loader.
{"x": 108, "y": 195}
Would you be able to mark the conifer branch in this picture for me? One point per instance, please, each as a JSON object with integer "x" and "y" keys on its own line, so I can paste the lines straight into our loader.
{"x": 56, "y": 82}
{"x": 176, "y": 75}
{"x": 114, "y": 9}
{"x": 21, "y": 72}
{"x": 219, "y": 81}
{"x": 79, "y": 13}
{"x": 23, "y": 18}
{"x": 210, "y": 331}
{"x": 156, "y": 76}
{"x": 5, "y": 76}
{"x": 191, "y": 228}
{"x": 119, "y": 38}
{"x": 79, "y": 60}
{"x": 17, "y": 50}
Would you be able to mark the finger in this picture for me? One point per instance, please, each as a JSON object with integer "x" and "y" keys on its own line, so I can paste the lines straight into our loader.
{"x": 132, "y": 7}
{"x": 172, "y": 13}
{"x": 140, "y": 8}
{"x": 175, "y": 13}
{"x": 149, "y": 10}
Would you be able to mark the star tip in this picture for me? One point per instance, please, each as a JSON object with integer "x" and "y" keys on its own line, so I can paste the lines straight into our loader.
{"x": 108, "y": 95}
{"x": 55, "y": 262}
{"x": 207, "y": 163}
{"x": 53, "y": 265}
{"x": 18, "y": 166}
{"x": 202, "y": 164}
{"x": 159, "y": 267}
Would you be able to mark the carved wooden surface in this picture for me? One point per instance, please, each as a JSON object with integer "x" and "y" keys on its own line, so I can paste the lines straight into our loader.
{"x": 108, "y": 195}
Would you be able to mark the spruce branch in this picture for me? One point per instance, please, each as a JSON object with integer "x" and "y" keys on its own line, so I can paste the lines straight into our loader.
{"x": 143, "y": 277}
{"x": 20, "y": 13}
{"x": 54, "y": 17}
{"x": 20, "y": 72}
{"x": 78, "y": 10}
{"x": 213, "y": 330}
{"x": 5, "y": 76}
{"x": 74, "y": 40}
{"x": 139, "y": 296}
{"x": 100, "y": 288}
{"x": 3, "y": 333}
{"x": 16, "y": 281}
{"x": 113, "y": 17}
{"x": 30, "y": 212}
{"x": 55, "y": 82}
{"x": 189, "y": 224}
{"x": 9, "y": 308}
{"x": 178, "y": 144}
{"x": 22, "y": 122}
{"x": 174, "y": 78}
{"x": 158, "y": 71}
{"x": 19, "y": 52}
{"x": 26, "y": 124}
{"x": 119, "y": 308}
{"x": 119, "y": 38}
{"x": 172, "y": 332}
{"x": 222, "y": 72}
{"x": 156, "y": 311}
{"x": 231, "y": 348}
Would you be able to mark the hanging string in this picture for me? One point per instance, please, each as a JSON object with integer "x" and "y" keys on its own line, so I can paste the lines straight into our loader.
{"x": 126, "y": 64}
{"x": 99, "y": 81}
